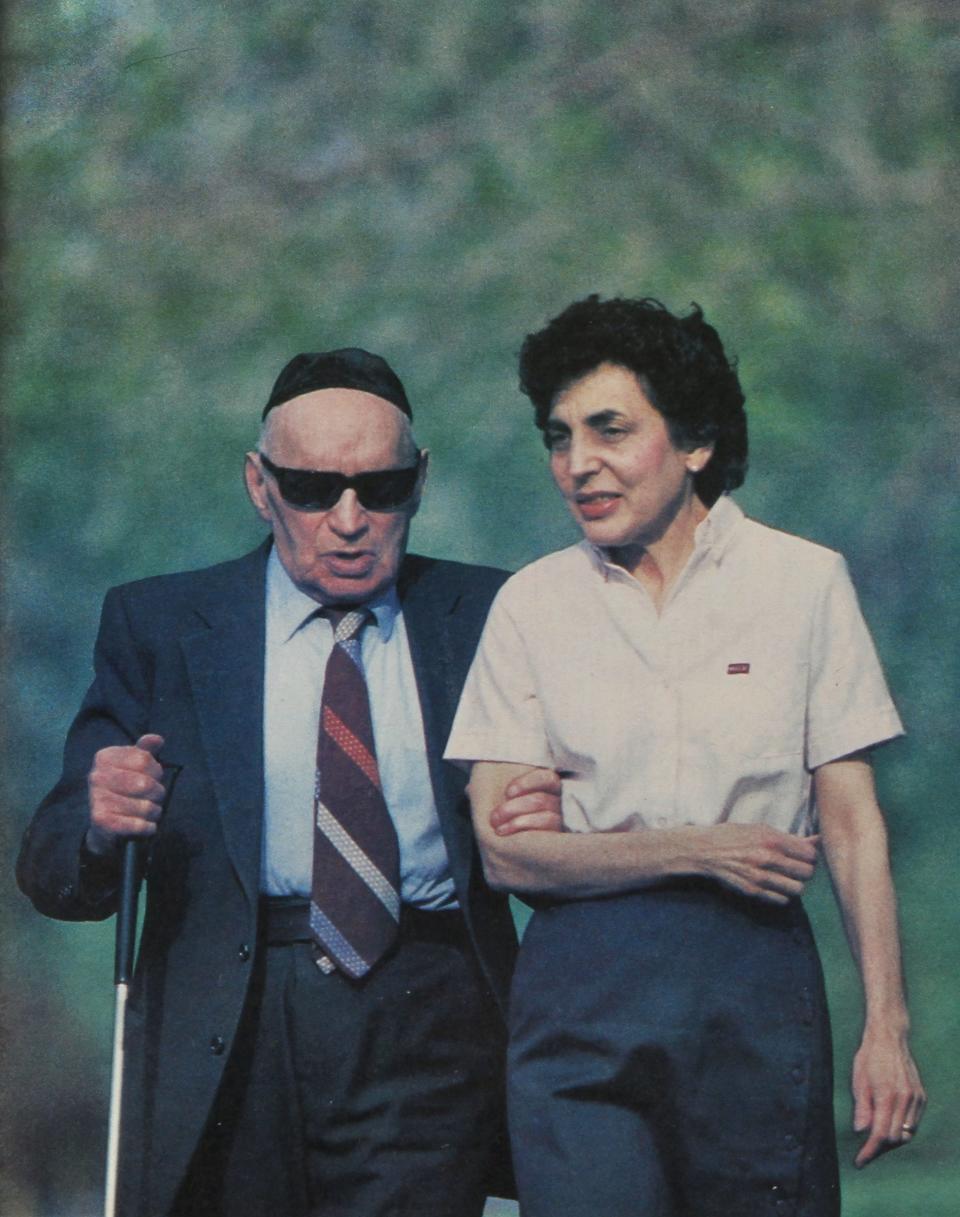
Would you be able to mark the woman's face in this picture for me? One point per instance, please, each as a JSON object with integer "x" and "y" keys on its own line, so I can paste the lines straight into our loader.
{"x": 614, "y": 461}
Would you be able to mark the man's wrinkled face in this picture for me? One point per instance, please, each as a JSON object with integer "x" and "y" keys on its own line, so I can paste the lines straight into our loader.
{"x": 347, "y": 553}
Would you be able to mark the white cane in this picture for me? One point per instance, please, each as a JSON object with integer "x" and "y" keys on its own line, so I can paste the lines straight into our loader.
{"x": 122, "y": 970}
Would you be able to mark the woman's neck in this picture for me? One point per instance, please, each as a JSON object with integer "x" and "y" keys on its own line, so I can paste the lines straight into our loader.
{"x": 658, "y": 562}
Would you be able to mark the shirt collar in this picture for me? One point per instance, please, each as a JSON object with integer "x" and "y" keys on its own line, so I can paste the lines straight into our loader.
{"x": 714, "y": 531}
{"x": 290, "y": 608}
{"x": 710, "y": 539}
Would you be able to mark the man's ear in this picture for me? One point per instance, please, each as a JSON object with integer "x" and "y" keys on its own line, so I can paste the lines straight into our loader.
{"x": 255, "y": 480}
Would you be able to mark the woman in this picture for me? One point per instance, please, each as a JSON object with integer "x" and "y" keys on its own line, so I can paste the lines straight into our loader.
{"x": 708, "y": 691}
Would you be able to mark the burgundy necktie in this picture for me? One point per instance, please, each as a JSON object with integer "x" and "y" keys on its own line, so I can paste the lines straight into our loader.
{"x": 355, "y": 897}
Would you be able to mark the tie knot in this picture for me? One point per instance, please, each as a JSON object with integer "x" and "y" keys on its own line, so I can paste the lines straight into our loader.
{"x": 347, "y": 620}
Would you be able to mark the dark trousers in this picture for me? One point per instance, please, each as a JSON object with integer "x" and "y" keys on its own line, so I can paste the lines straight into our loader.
{"x": 379, "y": 1098}
{"x": 670, "y": 1057}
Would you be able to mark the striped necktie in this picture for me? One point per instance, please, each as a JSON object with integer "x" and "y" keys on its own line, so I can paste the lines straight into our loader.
{"x": 355, "y": 895}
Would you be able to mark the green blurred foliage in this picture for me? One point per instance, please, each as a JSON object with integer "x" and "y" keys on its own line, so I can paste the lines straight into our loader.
{"x": 194, "y": 193}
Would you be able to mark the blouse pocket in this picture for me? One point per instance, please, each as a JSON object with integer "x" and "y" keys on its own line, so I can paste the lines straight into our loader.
{"x": 749, "y": 707}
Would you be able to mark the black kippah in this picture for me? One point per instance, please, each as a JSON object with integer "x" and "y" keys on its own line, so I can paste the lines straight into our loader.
{"x": 348, "y": 368}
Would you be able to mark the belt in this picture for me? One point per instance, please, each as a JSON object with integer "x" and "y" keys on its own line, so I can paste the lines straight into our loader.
{"x": 285, "y": 920}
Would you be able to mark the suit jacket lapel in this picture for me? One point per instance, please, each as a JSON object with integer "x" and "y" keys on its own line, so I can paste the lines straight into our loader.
{"x": 427, "y": 619}
{"x": 225, "y": 661}
{"x": 429, "y": 615}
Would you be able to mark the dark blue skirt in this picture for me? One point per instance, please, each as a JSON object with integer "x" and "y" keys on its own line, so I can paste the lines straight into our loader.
{"x": 670, "y": 1057}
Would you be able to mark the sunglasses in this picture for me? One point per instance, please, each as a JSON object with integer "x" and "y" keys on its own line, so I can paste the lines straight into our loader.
{"x": 319, "y": 490}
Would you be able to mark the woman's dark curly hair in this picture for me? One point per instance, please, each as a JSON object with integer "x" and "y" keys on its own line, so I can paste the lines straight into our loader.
{"x": 680, "y": 361}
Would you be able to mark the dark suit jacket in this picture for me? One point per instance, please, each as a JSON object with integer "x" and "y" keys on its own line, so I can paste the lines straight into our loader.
{"x": 183, "y": 655}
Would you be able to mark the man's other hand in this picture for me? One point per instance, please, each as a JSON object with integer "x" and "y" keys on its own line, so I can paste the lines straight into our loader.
{"x": 126, "y": 793}
{"x": 530, "y": 801}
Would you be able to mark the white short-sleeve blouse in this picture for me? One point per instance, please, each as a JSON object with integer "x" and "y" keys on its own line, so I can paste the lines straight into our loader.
{"x": 758, "y": 669}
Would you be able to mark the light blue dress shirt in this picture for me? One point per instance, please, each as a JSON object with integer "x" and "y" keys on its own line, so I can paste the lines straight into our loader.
{"x": 298, "y": 645}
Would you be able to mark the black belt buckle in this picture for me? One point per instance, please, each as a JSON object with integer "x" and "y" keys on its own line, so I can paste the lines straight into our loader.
{"x": 285, "y": 919}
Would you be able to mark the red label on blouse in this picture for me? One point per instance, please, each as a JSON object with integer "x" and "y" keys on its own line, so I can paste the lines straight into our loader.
{"x": 738, "y": 669}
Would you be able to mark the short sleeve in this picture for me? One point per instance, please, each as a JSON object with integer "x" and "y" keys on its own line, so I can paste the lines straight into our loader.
{"x": 849, "y": 707}
{"x": 499, "y": 717}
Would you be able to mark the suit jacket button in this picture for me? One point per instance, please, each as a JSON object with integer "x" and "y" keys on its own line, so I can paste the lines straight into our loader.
{"x": 243, "y": 952}
{"x": 217, "y": 1045}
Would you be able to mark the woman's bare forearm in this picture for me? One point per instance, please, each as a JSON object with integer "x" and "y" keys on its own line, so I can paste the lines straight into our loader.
{"x": 755, "y": 860}
{"x": 887, "y": 1092}
{"x": 855, "y": 845}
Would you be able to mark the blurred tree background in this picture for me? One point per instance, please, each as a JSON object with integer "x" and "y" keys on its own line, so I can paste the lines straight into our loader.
{"x": 195, "y": 192}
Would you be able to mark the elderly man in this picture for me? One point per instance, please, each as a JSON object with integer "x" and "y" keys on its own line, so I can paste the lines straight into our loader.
{"x": 315, "y": 1024}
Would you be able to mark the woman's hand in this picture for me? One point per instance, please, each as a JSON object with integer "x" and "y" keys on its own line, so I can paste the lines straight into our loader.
{"x": 757, "y": 860}
{"x": 888, "y": 1095}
